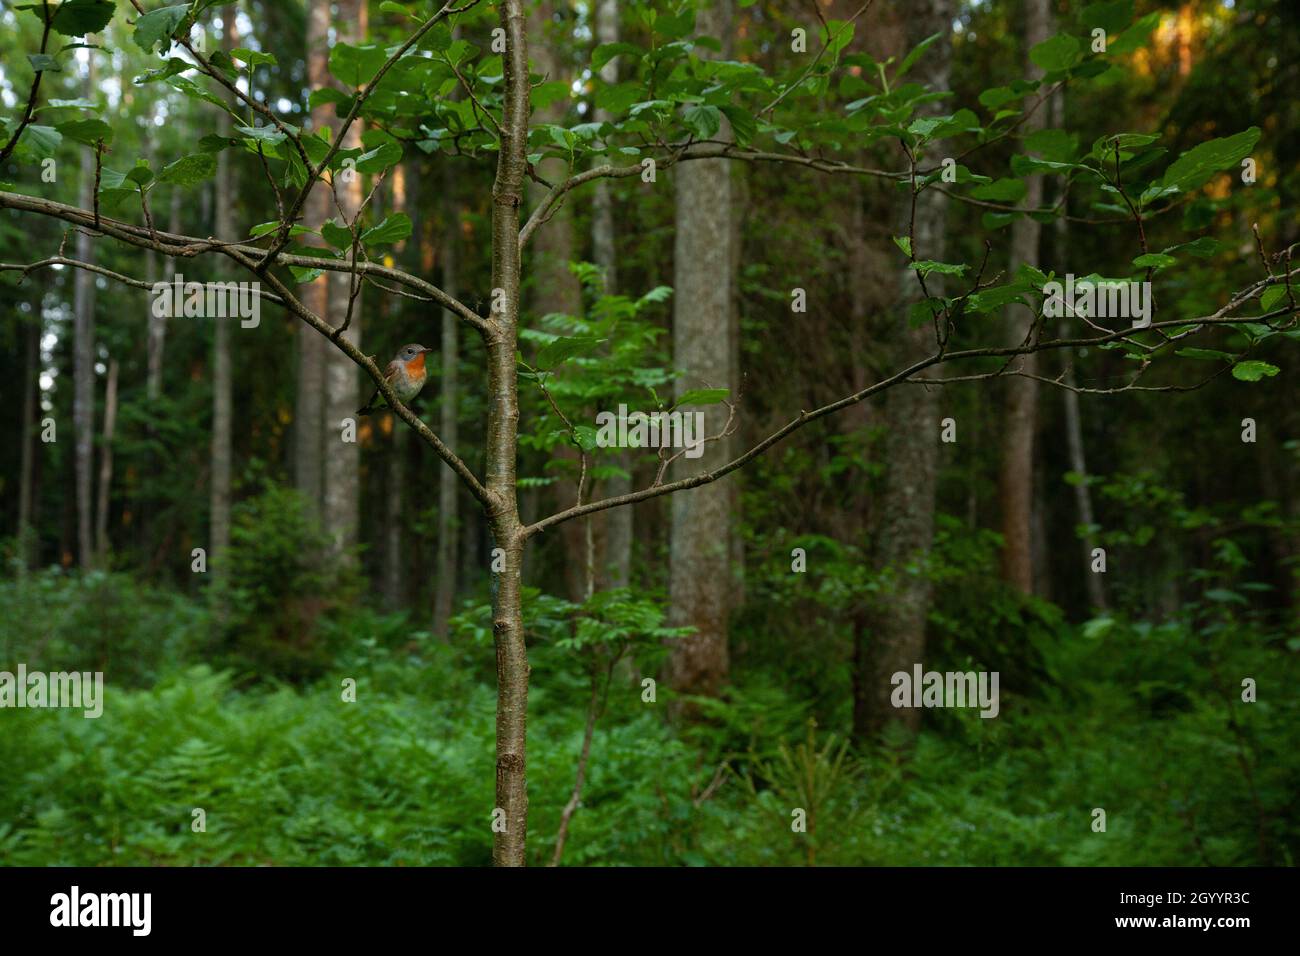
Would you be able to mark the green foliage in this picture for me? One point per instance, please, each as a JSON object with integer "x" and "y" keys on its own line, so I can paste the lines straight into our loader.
{"x": 279, "y": 580}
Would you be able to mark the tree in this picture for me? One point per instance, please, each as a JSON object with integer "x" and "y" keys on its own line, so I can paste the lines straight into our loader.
{"x": 1016, "y": 479}
{"x": 683, "y": 135}
{"x": 699, "y": 589}
{"x": 221, "y": 373}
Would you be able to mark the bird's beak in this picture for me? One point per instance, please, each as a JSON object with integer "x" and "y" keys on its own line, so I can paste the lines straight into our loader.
{"x": 425, "y": 348}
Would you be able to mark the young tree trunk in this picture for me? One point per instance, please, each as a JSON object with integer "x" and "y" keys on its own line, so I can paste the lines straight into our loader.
{"x": 509, "y": 838}
{"x": 342, "y": 489}
{"x": 221, "y": 376}
{"x": 308, "y": 416}
{"x": 699, "y": 550}
{"x": 448, "y": 484}
{"x": 394, "y": 577}
{"x": 106, "y": 465}
{"x": 83, "y": 370}
{"x": 27, "y": 543}
{"x": 619, "y": 523}
{"x": 1016, "y": 474}
{"x": 555, "y": 288}
{"x": 1094, "y": 582}
{"x": 890, "y": 637}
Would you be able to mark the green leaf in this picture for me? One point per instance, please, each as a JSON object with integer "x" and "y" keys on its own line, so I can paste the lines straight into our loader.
{"x": 904, "y": 243}
{"x": 1135, "y": 36}
{"x": 158, "y": 26}
{"x": 356, "y": 65}
{"x": 174, "y": 66}
{"x": 266, "y": 228}
{"x": 1058, "y": 53}
{"x": 1111, "y": 17}
{"x": 910, "y": 60}
{"x": 607, "y": 51}
{"x": 263, "y": 134}
{"x": 926, "y": 266}
{"x": 1253, "y": 371}
{"x": 41, "y": 141}
{"x": 1003, "y": 190}
{"x": 88, "y": 131}
{"x": 704, "y": 121}
{"x": 189, "y": 170}
{"x": 544, "y": 94}
{"x": 702, "y": 396}
{"x": 1271, "y": 297}
{"x": 1154, "y": 260}
{"x": 1199, "y": 164}
{"x": 380, "y": 158}
{"x": 1202, "y": 248}
{"x": 336, "y": 234}
{"x": 140, "y": 173}
{"x": 76, "y": 18}
{"x": 254, "y": 58}
{"x": 394, "y": 228}
{"x": 565, "y": 348}
{"x": 43, "y": 63}
{"x": 743, "y": 124}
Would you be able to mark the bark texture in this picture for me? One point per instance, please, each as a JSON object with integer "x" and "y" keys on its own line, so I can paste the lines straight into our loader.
{"x": 890, "y": 636}
{"x": 309, "y": 404}
{"x": 83, "y": 361}
{"x": 699, "y": 550}
{"x": 221, "y": 375}
{"x": 1016, "y": 474}
{"x": 341, "y": 507}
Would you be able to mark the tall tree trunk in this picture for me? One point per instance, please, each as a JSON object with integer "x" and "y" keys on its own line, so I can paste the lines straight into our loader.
{"x": 619, "y": 522}
{"x": 556, "y": 289}
{"x": 394, "y": 577}
{"x": 448, "y": 484}
{"x": 1094, "y": 582}
{"x": 1016, "y": 476}
{"x": 309, "y": 416}
{"x": 342, "y": 491}
{"x": 83, "y": 372}
{"x": 27, "y": 542}
{"x": 219, "y": 536}
{"x": 502, "y": 448}
{"x": 106, "y": 465}
{"x": 890, "y": 636}
{"x": 699, "y": 550}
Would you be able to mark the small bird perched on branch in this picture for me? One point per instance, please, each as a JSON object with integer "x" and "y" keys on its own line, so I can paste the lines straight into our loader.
{"x": 405, "y": 375}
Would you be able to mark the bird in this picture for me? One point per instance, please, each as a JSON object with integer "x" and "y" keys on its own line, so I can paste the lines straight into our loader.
{"x": 405, "y": 375}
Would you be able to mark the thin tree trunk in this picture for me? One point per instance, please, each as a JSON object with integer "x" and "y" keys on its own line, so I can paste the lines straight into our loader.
{"x": 1016, "y": 476}
{"x": 106, "y": 464}
{"x": 309, "y": 417}
{"x": 394, "y": 577}
{"x": 342, "y": 489}
{"x": 221, "y": 375}
{"x": 509, "y": 841}
{"x": 699, "y": 550}
{"x": 890, "y": 636}
{"x": 1094, "y": 582}
{"x": 27, "y": 543}
{"x": 448, "y": 483}
{"x": 83, "y": 394}
{"x": 619, "y": 523}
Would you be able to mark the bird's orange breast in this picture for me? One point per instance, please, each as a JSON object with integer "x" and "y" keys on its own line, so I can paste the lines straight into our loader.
{"x": 415, "y": 367}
